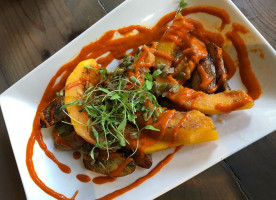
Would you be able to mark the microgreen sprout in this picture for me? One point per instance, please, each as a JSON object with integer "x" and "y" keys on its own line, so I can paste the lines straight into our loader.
{"x": 181, "y": 6}
{"x": 112, "y": 107}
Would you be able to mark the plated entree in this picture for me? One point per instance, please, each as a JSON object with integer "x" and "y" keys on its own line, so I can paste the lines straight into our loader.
{"x": 170, "y": 80}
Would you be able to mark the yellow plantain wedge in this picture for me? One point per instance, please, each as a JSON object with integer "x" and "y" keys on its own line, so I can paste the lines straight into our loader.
{"x": 74, "y": 90}
{"x": 224, "y": 102}
{"x": 183, "y": 128}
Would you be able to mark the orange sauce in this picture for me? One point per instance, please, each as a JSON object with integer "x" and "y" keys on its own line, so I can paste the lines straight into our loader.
{"x": 83, "y": 178}
{"x": 59, "y": 140}
{"x": 161, "y": 124}
{"x": 184, "y": 96}
{"x": 113, "y": 175}
{"x": 121, "y": 167}
{"x": 172, "y": 80}
{"x": 218, "y": 12}
{"x": 255, "y": 50}
{"x": 229, "y": 65}
{"x": 163, "y": 55}
{"x": 76, "y": 155}
{"x": 42, "y": 117}
{"x": 52, "y": 116}
{"x": 178, "y": 31}
{"x": 139, "y": 181}
{"x": 149, "y": 138}
{"x": 239, "y": 28}
{"x": 222, "y": 78}
{"x": 117, "y": 49}
{"x": 248, "y": 77}
{"x": 204, "y": 35}
{"x": 103, "y": 179}
{"x": 205, "y": 79}
{"x": 74, "y": 84}
{"x": 195, "y": 98}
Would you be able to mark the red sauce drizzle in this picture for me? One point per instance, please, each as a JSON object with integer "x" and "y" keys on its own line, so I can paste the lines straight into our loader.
{"x": 42, "y": 117}
{"x": 52, "y": 116}
{"x": 59, "y": 140}
{"x": 139, "y": 181}
{"x": 218, "y": 12}
{"x": 222, "y": 78}
{"x": 206, "y": 36}
{"x": 229, "y": 65}
{"x": 248, "y": 77}
{"x": 261, "y": 54}
{"x": 185, "y": 96}
{"x": 83, "y": 178}
{"x": 150, "y": 138}
{"x": 121, "y": 167}
{"x": 163, "y": 55}
{"x": 74, "y": 84}
{"x": 205, "y": 79}
{"x": 103, "y": 179}
{"x": 113, "y": 175}
{"x": 239, "y": 28}
{"x": 76, "y": 155}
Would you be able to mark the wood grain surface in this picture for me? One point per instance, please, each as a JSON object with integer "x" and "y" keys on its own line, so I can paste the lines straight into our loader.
{"x": 33, "y": 30}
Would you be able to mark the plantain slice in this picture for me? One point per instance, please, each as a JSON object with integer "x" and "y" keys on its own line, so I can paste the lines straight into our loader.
{"x": 224, "y": 102}
{"x": 176, "y": 129}
{"x": 75, "y": 87}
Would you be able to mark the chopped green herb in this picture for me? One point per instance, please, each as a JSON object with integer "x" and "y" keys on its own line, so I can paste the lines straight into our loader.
{"x": 150, "y": 127}
{"x": 180, "y": 75}
{"x": 157, "y": 72}
{"x": 179, "y": 55}
{"x": 89, "y": 67}
{"x": 135, "y": 80}
{"x": 181, "y": 6}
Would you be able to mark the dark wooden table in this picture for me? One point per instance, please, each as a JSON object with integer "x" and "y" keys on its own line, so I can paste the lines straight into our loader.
{"x": 33, "y": 30}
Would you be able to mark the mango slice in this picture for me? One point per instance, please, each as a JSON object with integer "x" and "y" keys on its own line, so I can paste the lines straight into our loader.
{"x": 74, "y": 89}
{"x": 176, "y": 128}
{"x": 211, "y": 104}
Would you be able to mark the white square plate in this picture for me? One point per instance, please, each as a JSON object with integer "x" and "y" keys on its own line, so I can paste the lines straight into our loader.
{"x": 239, "y": 129}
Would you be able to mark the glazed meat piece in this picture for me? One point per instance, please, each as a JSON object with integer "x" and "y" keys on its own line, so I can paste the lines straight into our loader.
{"x": 204, "y": 77}
{"x": 65, "y": 137}
{"x": 143, "y": 160}
{"x": 115, "y": 165}
{"x": 216, "y": 54}
{"x": 52, "y": 113}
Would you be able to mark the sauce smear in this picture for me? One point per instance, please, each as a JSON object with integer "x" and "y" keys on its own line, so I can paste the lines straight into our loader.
{"x": 113, "y": 175}
{"x": 83, "y": 178}
{"x": 76, "y": 155}
{"x": 248, "y": 77}
{"x": 103, "y": 179}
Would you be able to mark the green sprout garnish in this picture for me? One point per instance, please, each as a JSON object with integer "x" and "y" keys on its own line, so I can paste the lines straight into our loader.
{"x": 111, "y": 106}
{"x": 181, "y": 6}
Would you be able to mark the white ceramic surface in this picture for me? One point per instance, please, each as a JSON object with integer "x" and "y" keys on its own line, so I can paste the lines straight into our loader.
{"x": 239, "y": 129}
